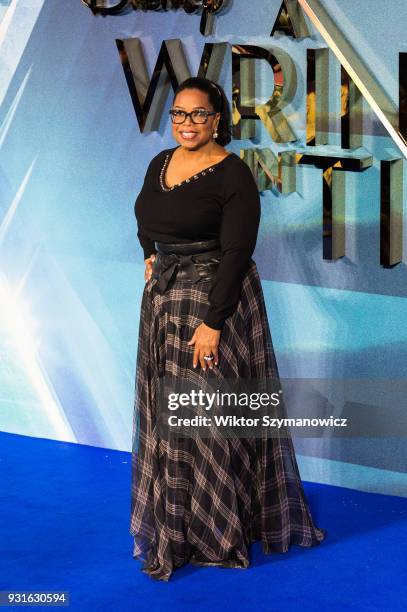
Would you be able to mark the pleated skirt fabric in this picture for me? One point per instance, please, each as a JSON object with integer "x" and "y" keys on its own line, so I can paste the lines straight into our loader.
{"x": 203, "y": 500}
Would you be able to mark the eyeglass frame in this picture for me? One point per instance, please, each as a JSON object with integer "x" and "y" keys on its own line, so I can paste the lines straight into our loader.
{"x": 207, "y": 113}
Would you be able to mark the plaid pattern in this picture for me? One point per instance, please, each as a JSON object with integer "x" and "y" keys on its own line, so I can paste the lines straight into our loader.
{"x": 204, "y": 500}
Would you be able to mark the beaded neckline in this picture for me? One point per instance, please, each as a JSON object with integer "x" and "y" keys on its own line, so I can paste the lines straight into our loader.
{"x": 191, "y": 178}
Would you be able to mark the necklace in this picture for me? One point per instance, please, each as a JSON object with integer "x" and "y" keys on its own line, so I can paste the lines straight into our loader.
{"x": 187, "y": 180}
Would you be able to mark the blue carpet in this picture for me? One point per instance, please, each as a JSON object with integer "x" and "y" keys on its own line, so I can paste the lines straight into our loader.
{"x": 64, "y": 526}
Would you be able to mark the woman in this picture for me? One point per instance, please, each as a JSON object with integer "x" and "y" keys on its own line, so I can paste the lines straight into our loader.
{"x": 204, "y": 499}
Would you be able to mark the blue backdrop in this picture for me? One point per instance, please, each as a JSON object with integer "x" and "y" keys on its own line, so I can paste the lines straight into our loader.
{"x": 72, "y": 160}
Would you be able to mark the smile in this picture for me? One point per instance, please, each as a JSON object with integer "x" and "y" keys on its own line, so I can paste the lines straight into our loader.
{"x": 188, "y": 135}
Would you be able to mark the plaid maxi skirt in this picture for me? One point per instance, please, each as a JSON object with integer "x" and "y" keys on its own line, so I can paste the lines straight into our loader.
{"x": 203, "y": 500}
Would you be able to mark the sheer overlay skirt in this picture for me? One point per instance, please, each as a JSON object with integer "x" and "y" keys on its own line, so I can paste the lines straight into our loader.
{"x": 205, "y": 499}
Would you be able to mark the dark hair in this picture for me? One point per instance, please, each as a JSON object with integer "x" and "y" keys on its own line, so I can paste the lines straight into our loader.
{"x": 218, "y": 100}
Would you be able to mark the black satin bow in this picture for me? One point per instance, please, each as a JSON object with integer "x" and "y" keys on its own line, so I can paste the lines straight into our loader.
{"x": 170, "y": 264}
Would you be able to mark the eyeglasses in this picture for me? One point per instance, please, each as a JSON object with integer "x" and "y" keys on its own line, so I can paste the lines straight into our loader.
{"x": 197, "y": 116}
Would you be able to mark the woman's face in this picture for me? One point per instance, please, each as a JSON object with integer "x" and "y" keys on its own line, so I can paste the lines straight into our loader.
{"x": 193, "y": 135}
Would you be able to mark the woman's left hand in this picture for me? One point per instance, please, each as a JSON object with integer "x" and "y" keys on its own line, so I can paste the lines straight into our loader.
{"x": 206, "y": 340}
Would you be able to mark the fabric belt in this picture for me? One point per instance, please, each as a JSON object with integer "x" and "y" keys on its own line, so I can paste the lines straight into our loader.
{"x": 185, "y": 261}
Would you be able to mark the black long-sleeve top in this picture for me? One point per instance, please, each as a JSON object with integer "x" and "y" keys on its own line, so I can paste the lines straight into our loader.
{"x": 220, "y": 202}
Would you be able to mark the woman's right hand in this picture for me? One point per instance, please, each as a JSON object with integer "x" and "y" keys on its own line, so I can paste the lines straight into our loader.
{"x": 149, "y": 267}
